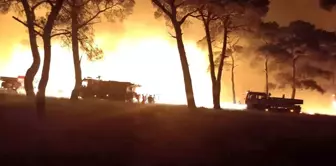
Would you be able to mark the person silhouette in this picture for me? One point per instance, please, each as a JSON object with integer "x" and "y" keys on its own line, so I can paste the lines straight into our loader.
{"x": 150, "y": 99}
{"x": 144, "y": 99}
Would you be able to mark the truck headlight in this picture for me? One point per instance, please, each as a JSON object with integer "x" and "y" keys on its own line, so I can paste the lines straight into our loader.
{"x": 84, "y": 83}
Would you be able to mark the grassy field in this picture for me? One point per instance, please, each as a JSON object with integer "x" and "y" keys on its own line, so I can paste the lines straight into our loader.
{"x": 108, "y": 133}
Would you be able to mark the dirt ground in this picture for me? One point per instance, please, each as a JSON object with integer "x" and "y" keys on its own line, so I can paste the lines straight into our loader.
{"x": 108, "y": 133}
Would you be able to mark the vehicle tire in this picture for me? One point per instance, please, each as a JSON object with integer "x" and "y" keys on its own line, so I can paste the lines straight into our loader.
{"x": 276, "y": 110}
{"x": 297, "y": 109}
{"x": 249, "y": 107}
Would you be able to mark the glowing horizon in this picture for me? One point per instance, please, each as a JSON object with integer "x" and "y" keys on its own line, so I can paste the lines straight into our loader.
{"x": 158, "y": 70}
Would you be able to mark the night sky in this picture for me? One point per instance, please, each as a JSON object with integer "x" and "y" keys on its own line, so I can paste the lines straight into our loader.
{"x": 284, "y": 11}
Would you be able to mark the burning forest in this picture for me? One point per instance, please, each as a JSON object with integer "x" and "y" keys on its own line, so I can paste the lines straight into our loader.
{"x": 167, "y": 82}
{"x": 204, "y": 54}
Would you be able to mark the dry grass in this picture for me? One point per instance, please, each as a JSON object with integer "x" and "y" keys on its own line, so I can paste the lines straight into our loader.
{"x": 101, "y": 132}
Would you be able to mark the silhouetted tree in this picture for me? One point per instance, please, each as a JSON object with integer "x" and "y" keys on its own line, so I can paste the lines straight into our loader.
{"x": 327, "y": 4}
{"x": 23, "y": 6}
{"x": 327, "y": 45}
{"x": 267, "y": 49}
{"x": 299, "y": 41}
{"x": 232, "y": 51}
{"x": 48, "y": 22}
{"x": 271, "y": 58}
{"x": 176, "y": 13}
{"x": 80, "y": 15}
{"x": 210, "y": 14}
{"x": 290, "y": 45}
{"x": 36, "y": 27}
{"x": 220, "y": 19}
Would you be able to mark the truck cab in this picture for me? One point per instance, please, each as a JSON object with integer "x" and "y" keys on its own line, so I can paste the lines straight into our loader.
{"x": 255, "y": 99}
{"x": 263, "y": 102}
{"x": 255, "y": 96}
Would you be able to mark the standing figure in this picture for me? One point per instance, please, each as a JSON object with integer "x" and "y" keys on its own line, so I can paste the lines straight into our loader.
{"x": 137, "y": 97}
{"x": 144, "y": 98}
{"x": 150, "y": 99}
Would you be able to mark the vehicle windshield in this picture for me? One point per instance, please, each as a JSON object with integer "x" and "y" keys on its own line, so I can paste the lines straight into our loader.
{"x": 256, "y": 96}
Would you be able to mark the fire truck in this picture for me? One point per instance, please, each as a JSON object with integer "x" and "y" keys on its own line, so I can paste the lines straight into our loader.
{"x": 110, "y": 90}
{"x": 264, "y": 102}
{"x": 12, "y": 83}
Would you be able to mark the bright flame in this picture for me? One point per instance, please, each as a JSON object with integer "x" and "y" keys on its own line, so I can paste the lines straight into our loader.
{"x": 153, "y": 63}
{"x": 322, "y": 109}
{"x": 333, "y": 102}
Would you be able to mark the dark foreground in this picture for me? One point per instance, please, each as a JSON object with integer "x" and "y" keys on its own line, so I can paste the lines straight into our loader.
{"x": 101, "y": 133}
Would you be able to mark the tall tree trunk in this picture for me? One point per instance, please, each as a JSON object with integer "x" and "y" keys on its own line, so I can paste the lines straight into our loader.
{"x": 185, "y": 66}
{"x": 75, "y": 52}
{"x": 215, "y": 92}
{"x": 266, "y": 76}
{"x": 221, "y": 64}
{"x": 33, "y": 69}
{"x": 40, "y": 98}
{"x": 294, "y": 78}
{"x": 233, "y": 80}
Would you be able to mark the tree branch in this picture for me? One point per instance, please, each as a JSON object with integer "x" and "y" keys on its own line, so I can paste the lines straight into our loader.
{"x": 65, "y": 9}
{"x": 66, "y": 32}
{"x": 37, "y": 5}
{"x": 38, "y": 26}
{"x": 50, "y": 3}
{"x": 178, "y": 5}
{"x": 83, "y": 4}
{"x": 235, "y": 43}
{"x": 186, "y": 16}
{"x": 94, "y": 17}
{"x": 61, "y": 33}
{"x": 158, "y": 3}
{"x": 200, "y": 11}
{"x": 196, "y": 16}
{"x": 25, "y": 24}
{"x": 172, "y": 35}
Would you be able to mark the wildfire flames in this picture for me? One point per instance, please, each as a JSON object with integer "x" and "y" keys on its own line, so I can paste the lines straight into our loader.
{"x": 140, "y": 52}
{"x": 153, "y": 63}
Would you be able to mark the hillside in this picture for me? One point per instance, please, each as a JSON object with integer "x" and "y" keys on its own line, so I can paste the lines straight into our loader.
{"x": 101, "y": 133}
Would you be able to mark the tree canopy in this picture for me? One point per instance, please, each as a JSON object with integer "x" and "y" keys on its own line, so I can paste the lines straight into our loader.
{"x": 293, "y": 50}
{"x": 327, "y": 4}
